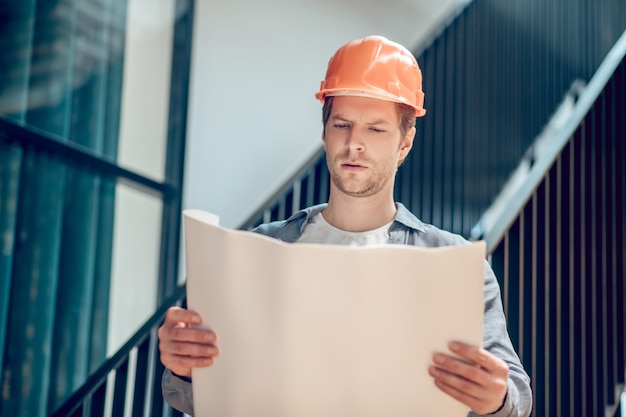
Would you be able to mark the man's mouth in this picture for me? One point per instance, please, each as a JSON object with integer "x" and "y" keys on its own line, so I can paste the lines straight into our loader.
{"x": 352, "y": 166}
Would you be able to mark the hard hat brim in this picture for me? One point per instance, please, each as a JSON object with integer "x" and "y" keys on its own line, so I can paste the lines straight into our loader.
{"x": 335, "y": 92}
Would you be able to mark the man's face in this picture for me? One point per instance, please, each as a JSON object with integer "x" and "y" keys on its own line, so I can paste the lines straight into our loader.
{"x": 364, "y": 145}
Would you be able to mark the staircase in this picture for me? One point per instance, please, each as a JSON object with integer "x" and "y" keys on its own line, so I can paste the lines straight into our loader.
{"x": 558, "y": 250}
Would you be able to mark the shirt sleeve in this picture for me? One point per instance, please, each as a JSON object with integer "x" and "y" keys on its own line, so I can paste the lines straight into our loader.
{"x": 518, "y": 401}
{"x": 177, "y": 392}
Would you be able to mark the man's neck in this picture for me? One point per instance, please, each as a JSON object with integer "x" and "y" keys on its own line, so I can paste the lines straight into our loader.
{"x": 359, "y": 214}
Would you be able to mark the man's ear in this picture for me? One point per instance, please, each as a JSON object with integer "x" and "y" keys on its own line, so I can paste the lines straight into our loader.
{"x": 407, "y": 142}
{"x": 324, "y": 139}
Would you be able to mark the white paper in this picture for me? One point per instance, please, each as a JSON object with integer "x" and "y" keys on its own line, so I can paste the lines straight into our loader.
{"x": 326, "y": 330}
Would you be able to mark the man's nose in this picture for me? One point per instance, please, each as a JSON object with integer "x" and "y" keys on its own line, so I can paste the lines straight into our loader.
{"x": 354, "y": 142}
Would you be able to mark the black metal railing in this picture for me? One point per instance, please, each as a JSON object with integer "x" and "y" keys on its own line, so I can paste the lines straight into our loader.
{"x": 140, "y": 390}
{"x": 307, "y": 187}
{"x": 558, "y": 252}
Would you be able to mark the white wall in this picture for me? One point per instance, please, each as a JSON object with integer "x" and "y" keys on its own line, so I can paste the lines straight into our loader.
{"x": 253, "y": 120}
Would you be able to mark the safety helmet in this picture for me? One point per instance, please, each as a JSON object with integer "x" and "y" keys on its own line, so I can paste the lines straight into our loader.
{"x": 374, "y": 67}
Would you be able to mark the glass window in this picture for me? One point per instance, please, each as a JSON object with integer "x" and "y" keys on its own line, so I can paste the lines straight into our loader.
{"x": 145, "y": 97}
{"x": 135, "y": 267}
{"x": 80, "y": 250}
{"x": 94, "y": 72}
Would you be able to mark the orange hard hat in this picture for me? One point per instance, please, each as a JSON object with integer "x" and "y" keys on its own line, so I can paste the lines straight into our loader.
{"x": 375, "y": 67}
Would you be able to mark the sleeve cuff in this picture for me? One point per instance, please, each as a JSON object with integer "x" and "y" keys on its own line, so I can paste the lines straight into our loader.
{"x": 184, "y": 378}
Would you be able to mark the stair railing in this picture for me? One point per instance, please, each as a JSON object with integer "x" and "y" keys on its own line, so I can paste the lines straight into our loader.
{"x": 135, "y": 370}
{"x": 558, "y": 252}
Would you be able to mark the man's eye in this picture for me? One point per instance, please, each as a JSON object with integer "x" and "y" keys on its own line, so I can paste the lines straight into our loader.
{"x": 341, "y": 125}
{"x": 377, "y": 130}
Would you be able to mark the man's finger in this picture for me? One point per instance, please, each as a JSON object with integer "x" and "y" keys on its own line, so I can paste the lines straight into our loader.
{"x": 181, "y": 315}
{"x": 461, "y": 367}
{"x": 477, "y": 355}
{"x": 197, "y": 335}
{"x": 182, "y": 365}
{"x": 453, "y": 382}
{"x": 189, "y": 349}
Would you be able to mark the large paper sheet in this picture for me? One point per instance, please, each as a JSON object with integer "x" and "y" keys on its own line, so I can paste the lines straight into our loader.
{"x": 326, "y": 330}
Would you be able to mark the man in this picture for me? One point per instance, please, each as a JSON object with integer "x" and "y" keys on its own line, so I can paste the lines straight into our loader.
{"x": 372, "y": 94}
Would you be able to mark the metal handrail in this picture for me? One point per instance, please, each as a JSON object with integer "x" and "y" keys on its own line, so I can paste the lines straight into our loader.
{"x": 557, "y": 252}
{"x": 93, "y": 391}
{"x": 586, "y": 100}
{"x": 260, "y": 214}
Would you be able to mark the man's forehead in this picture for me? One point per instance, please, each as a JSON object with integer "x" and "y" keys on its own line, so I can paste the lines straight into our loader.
{"x": 368, "y": 109}
{"x": 370, "y": 120}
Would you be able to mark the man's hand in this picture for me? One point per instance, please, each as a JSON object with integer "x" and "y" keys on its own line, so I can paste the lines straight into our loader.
{"x": 184, "y": 347}
{"x": 478, "y": 380}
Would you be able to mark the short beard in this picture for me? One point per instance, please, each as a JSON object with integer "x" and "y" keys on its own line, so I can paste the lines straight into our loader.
{"x": 367, "y": 189}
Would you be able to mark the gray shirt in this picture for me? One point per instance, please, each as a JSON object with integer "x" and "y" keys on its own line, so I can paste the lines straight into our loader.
{"x": 406, "y": 229}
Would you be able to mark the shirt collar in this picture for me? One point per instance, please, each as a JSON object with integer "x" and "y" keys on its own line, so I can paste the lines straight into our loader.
{"x": 408, "y": 219}
{"x": 403, "y": 216}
